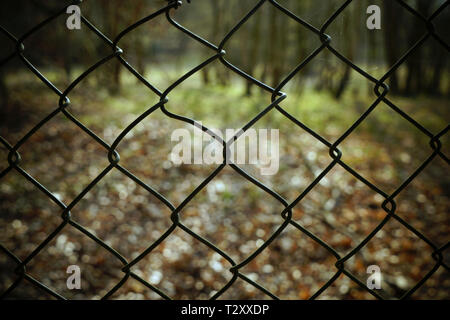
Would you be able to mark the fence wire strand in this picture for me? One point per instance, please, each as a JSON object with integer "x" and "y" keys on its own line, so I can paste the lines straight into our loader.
{"x": 219, "y": 54}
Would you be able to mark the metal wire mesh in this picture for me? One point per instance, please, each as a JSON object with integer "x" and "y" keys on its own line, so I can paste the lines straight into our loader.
{"x": 218, "y": 54}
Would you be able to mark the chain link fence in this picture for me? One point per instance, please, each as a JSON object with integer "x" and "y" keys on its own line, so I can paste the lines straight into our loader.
{"x": 218, "y": 54}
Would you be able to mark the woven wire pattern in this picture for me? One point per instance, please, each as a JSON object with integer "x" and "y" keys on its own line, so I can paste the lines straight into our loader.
{"x": 218, "y": 53}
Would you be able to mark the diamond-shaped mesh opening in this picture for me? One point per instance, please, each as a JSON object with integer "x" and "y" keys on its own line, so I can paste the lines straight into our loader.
{"x": 345, "y": 94}
{"x": 66, "y": 165}
{"x": 23, "y": 226}
{"x": 293, "y": 266}
{"x": 400, "y": 158}
{"x": 221, "y": 213}
{"x": 424, "y": 205}
{"x": 217, "y": 17}
{"x": 115, "y": 109}
{"x": 369, "y": 43}
{"x": 123, "y": 214}
{"x": 162, "y": 41}
{"x": 23, "y": 110}
{"x": 78, "y": 44}
{"x": 341, "y": 210}
{"x": 403, "y": 261}
{"x": 273, "y": 37}
{"x": 99, "y": 269}
{"x": 147, "y": 150}
{"x": 184, "y": 268}
{"x": 294, "y": 162}
{"x": 214, "y": 96}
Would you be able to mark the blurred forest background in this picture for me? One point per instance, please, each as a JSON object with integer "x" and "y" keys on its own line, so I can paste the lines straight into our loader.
{"x": 327, "y": 95}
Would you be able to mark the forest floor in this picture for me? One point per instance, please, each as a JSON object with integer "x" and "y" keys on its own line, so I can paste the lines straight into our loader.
{"x": 230, "y": 212}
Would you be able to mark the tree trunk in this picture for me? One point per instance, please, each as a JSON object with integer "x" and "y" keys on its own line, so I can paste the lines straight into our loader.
{"x": 254, "y": 49}
{"x": 350, "y": 51}
{"x": 392, "y": 16}
{"x": 273, "y": 57}
{"x": 343, "y": 83}
{"x": 416, "y": 72}
{"x": 217, "y": 12}
{"x": 439, "y": 66}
